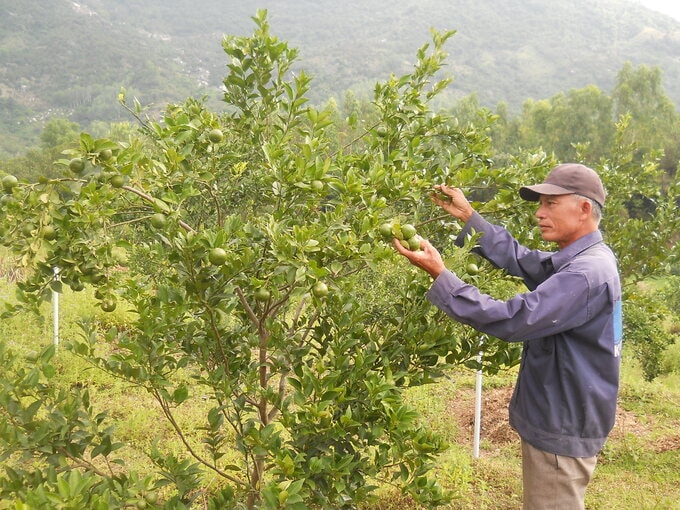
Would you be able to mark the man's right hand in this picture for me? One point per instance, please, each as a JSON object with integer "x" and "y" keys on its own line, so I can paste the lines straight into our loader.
{"x": 455, "y": 202}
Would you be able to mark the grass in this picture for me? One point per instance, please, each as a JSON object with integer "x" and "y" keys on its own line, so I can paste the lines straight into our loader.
{"x": 639, "y": 467}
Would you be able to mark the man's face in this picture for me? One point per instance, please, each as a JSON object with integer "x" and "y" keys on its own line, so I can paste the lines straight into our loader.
{"x": 563, "y": 218}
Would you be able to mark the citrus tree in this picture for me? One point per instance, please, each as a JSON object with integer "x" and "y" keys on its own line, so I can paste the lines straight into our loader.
{"x": 246, "y": 247}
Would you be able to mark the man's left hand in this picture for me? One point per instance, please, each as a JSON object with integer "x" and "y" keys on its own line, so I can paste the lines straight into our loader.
{"x": 427, "y": 258}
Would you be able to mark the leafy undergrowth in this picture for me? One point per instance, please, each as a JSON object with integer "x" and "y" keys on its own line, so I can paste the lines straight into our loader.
{"x": 639, "y": 467}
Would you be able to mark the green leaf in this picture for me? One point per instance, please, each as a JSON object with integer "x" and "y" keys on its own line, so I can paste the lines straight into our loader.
{"x": 180, "y": 394}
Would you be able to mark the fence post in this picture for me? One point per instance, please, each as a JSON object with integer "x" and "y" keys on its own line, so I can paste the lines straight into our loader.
{"x": 55, "y": 312}
{"x": 478, "y": 410}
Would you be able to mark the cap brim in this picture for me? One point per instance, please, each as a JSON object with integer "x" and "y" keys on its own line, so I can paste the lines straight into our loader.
{"x": 533, "y": 193}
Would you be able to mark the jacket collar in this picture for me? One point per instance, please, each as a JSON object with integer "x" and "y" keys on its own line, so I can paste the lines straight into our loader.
{"x": 582, "y": 243}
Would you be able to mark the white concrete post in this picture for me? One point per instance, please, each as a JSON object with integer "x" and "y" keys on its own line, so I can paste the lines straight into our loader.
{"x": 55, "y": 312}
{"x": 478, "y": 411}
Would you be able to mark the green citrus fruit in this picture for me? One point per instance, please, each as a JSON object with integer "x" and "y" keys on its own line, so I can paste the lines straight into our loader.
{"x": 414, "y": 243}
{"x": 49, "y": 232}
{"x": 117, "y": 181}
{"x": 9, "y": 182}
{"x": 76, "y": 165}
{"x": 8, "y": 200}
{"x": 408, "y": 230}
{"x": 472, "y": 268}
{"x": 385, "y": 230}
{"x": 77, "y": 286}
{"x": 151, "y": 497}
{"x": 27, "y": 229}
{"x": 159, "y": 220}
{"x": 317, "y": 185}
{"x": 262, "y": 295}
{"x": 105, "y": 154}
{"x": 215, "y": 135}
{"x": 320, "y": 289}
{"x": 381, "y": 131}
{"x": 108, "y": 304}
{"x": 217, "y": 256}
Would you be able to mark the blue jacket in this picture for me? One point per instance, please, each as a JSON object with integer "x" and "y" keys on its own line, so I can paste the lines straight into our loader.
{"x": 570, "y": 323}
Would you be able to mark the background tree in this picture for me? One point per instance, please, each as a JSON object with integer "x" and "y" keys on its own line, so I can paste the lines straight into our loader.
{"x": 57, "y": 135}
{"x": 654, "y": 120}
{"x": 580, "y": 117}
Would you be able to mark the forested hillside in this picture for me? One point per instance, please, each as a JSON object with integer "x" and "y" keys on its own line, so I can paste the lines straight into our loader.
{"x": 68, "y": 59}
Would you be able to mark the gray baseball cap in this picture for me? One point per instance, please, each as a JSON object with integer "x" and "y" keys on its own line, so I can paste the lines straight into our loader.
{"x": 565, "y": 179}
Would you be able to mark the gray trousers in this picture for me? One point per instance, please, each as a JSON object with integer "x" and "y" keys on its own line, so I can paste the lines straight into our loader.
{"x": 554, "y": 482}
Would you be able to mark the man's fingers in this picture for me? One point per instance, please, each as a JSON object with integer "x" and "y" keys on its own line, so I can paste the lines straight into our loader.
{"x": 405, "y": 251}
{"x": 441, "y": 193}
{"x": 399, "y": 247}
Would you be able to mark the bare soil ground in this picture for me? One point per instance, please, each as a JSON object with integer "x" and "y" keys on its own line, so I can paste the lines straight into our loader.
{"x": 495, "y": 427}
{"x": 496, "y": 430}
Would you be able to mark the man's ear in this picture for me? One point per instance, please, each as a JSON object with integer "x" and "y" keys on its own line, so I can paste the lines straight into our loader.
{"x": 587, "y": 208}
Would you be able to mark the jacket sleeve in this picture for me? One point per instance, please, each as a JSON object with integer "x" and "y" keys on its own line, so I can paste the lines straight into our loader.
{"x": 559, "y": 304}
{"x": 504, "y": 251}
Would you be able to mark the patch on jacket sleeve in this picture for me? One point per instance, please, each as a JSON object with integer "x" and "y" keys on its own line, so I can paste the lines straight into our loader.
{"x": 618, "y": 327}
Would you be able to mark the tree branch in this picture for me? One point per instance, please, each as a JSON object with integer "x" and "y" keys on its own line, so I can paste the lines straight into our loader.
{"x": 178, "y": 430}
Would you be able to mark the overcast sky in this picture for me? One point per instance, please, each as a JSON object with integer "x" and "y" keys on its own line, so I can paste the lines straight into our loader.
{"x": 670, "y": 7}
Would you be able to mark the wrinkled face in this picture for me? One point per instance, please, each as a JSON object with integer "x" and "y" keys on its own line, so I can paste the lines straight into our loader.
{"x": 564, "y": 218}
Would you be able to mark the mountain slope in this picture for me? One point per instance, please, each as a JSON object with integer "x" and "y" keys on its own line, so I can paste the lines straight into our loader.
{"x": 64, "y": 58}
{"x": 504, "y": 50}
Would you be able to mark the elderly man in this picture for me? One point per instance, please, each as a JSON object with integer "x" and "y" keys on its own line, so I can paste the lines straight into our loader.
{"x": 569, "y": 321}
